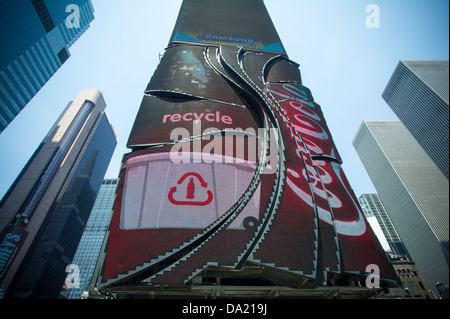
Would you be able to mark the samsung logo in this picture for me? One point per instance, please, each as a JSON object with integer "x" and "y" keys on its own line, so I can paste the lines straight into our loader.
{"x": 228, "y": 39}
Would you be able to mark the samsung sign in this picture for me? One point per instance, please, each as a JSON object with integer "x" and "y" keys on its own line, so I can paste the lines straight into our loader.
{"x": 228, "y": 39}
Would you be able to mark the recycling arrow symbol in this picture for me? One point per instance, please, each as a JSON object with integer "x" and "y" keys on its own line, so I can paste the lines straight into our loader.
{"x": 190, "y": 191}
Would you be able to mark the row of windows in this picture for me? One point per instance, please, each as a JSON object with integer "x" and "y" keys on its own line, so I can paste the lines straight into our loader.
{"x": 406, "y": 273}
{"x": 95, "y": 231}
{"x": 20, "y": 81}
{"x": 16, "y": 17}
{"x": 31, "y": 60}
{"x": 43, "y": 14}
{"x": 422, "y": 111}
{"x": 372, "y": 206}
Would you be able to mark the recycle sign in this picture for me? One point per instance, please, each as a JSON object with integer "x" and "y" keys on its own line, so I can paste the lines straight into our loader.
{"x": 190, "y": 191}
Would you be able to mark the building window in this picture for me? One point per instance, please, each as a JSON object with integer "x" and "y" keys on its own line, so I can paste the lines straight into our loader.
{"x": 63, "y": 55}
{"x": 412, "y": 285}
{"x": 43, "y": 14}
{"x": 421, "y": 285}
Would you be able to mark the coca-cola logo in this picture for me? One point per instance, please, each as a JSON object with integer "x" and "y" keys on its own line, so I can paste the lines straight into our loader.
{"x": 303, "y": 116}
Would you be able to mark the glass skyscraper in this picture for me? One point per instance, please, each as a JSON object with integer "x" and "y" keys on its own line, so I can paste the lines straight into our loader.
{"x": 414, "y": 192}
{"x": 418, "y": 92}
{"x": 43, "y": 214}
{"x": 35, "y": 36}
{"x": 94, "y": 233}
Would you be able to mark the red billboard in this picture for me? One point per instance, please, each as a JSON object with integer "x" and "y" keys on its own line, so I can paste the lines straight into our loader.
{"x": 233, "y": 166}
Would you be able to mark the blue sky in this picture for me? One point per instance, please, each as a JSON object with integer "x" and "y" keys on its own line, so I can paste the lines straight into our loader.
{"x": 345, "y": 64}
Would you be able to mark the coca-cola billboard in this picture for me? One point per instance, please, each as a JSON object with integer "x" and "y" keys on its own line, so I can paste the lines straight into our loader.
{"x": 232, "y": 165}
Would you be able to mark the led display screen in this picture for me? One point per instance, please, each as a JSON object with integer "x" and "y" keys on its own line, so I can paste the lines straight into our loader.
{"x": 191, "y": 71}
{"x": 190, "y": 196}
{"x": 235, "y": 22}
{"x": 272, "y": 195}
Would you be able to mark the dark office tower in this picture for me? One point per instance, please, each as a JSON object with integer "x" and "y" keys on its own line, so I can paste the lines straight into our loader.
{"x": 413, "y": 190}
{"x": 418, "y": 92}
{"x": 44, "y": 213}
{"x": 35, "y": 36}
{"x": 233, "y": 177}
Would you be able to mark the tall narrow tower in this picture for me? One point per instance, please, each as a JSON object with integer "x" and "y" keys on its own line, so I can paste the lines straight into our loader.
{"x": 233, "y": 177}
{"x": 418, "y": 93}
{"x": 43, "y": 214}
{"x": 414, "y": 192}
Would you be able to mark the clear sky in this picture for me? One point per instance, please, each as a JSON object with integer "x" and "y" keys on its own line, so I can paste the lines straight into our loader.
{"x": 345, "y": 64}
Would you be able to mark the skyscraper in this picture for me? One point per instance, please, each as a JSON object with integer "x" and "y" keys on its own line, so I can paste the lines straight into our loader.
{"x": 233, "y": 177}
{"x": 91, "y": 242}
{"x": 413, "y": 285}
{"x": 44, "y": 213}
{"x": 35, "y": 36}
{"x": 371, "y": 204}
{"x": 418, "y": 92}
{"x": 413, "y": 190}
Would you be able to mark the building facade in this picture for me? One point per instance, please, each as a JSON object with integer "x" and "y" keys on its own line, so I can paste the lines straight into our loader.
{"x": 46, "y": 209}
{"x": 251, "y": 190}
{"x": 413, "y": 285}
{"x": 372, "y": 206}
{"x": 418, "y": 92}
{"x": 35, "y": 36}
{"x": 91, "y": 242}
{"x": 414, "y": 192}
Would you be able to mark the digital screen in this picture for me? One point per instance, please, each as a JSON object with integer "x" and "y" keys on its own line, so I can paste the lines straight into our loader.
{"x": 344, "y": 239}
{"x": 305, "y": 117}
{"x": 161, "y": 205}
{"x": 158, "y": 118}
{"x": 186, "y": 92}
{"x": 227, "y": 24}
{"x": 190, "y": 196}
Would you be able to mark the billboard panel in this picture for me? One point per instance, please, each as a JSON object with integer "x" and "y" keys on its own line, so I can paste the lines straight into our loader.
{"x": 190, "y": 196}
{"x": 158, "y": 118}
{"x": 186, "y": 202}
{"x": 162, "y": 205}
{"x": 291, "y": 241}
{"x": 305, "y": 116}
{"x": 321, "y": 183}
{"x": 227, "y": 23}
{"x": 189, "y": 70}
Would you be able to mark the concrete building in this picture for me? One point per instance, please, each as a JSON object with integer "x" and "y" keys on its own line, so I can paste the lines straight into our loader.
{"x": 413, "y": 190}
{"x": 418, "y": 92}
